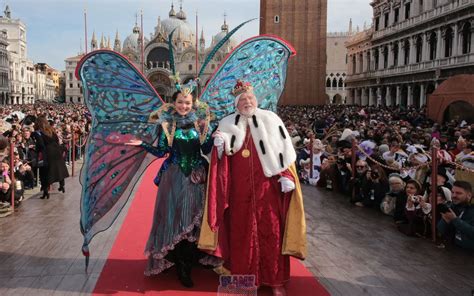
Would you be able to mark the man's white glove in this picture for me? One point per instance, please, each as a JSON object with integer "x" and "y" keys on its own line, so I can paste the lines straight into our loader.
{"x": 286, "y": 184}
{"x": 219, "y": 144}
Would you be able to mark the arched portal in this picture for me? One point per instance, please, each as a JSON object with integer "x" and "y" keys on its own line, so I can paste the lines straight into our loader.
{"x": 162, "y": 84}
{"x": 459, "y": 110}
{"x": 337, "y": 99}
{"x": 455, "y": 95}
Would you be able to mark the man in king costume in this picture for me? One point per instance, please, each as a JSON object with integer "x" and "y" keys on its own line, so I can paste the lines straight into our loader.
{"x": 254, "y": 217}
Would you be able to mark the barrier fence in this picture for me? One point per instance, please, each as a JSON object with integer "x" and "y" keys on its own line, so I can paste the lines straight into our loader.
{"x": 74, "y": 152}
{"x": 432, "y": 163}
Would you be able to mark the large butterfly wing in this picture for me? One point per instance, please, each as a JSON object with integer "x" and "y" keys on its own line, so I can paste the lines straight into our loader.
{"x": 120, "y": 101}
{"x": 262, "y": 61}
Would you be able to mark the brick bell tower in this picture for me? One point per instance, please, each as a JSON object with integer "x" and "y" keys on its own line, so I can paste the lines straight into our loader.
{"x": 303, "y": 24}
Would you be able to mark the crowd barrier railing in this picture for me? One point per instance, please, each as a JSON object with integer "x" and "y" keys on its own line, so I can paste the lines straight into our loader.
{"x": 433, "y": 164}
{"x": 75, "y": 150}
{"x": 12, "y": 175}
{"x": 434, "y": 173}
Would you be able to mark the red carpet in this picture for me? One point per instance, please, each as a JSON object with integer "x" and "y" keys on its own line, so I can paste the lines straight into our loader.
{"x": 123, "y": 271}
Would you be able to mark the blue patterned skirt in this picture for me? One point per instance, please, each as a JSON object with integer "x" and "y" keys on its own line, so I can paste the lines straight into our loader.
{"x": 177, "y": 217}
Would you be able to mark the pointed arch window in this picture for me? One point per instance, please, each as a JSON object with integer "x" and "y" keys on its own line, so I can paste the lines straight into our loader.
{"x": 341, "y": 83}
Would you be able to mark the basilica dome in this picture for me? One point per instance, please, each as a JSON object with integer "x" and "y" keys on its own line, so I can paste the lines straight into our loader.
{"x": 178, "y": 21}
{"x": 131, "y": 42}
{"x": 219, "y": 36}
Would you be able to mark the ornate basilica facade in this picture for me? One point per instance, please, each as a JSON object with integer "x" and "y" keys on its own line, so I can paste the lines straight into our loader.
{"x": 156, "y": 51}
{"x": 412, "y": 46}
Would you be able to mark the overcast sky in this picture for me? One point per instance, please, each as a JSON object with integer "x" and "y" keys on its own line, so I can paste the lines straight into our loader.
{"x": 55, "y": 28}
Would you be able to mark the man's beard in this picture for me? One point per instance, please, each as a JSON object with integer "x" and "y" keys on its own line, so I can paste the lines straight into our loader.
{"x": 248, "y": 112}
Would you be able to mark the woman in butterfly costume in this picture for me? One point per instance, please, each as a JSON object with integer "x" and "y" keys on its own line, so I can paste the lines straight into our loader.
{"x": 126, "y": 126}
{"x": 183, "y": 134}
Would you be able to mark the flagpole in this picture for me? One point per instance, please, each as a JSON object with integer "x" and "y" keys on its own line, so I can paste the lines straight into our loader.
{"x": 197, "y": 55}
{"x": 143, "y": 43}
{"x": 85, "y": 28}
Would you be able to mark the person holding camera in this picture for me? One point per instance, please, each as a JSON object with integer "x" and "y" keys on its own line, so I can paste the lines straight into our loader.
{"x": 417, "y": 209}
{"x": 23, "y": 173}
{"x": 6, "y": 184}
{"x": 30, "y": 156}
{"x": 375, "y": 188}
{"x": 343, "y": 167}
{"x": 359, "y": 182}
{"x": 457, "y": 222}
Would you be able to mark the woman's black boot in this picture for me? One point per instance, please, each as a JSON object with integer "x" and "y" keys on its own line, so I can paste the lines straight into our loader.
{"x": 183, "y": 260}
{"x": 61, "y": 186}
{"x": 184, "y": 273}
{"x": 45, "y": 195}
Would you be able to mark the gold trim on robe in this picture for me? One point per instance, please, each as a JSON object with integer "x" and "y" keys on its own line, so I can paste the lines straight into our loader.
{"x": 294, "y": 239}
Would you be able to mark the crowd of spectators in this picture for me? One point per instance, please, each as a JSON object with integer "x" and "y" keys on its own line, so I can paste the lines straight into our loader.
{"x": 392, "y": 171}
{"x": 17, "y": 126}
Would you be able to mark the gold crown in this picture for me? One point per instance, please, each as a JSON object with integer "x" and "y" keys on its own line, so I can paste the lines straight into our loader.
{"x": 241, "y": 87}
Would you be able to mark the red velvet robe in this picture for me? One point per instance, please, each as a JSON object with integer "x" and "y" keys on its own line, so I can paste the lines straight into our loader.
{"x": 249, "y": 211}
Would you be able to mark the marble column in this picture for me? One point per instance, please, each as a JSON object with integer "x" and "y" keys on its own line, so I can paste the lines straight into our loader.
{"x": 371, "y": 98}
{"x": 440, "y": 53}
{"x": 425, "y": 46}
{"x": 412, "y": 50}
{"x": 472, "y": 36}
{"x": 363, "y": 97}
{"x": 379, "y": 97}
{"x": 381, "y": 65}
{"x": 388, "y": 97}
{"x": 400, "y": 53}
{"x": 455, "y": 40}
{"x": 410, "y": 96}
{"x": 422, "y": 95}
{"x": 390, "y": 55}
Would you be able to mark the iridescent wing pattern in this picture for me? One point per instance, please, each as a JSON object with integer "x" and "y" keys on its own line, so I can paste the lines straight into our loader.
{"x": 120, "y": 101}
{"x": 262, "y": 61}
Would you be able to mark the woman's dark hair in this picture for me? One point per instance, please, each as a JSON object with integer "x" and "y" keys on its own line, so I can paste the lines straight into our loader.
{"x": 380, "y": 171}
{"x": 175, "y": 95}
{"x": 42, "y": 125}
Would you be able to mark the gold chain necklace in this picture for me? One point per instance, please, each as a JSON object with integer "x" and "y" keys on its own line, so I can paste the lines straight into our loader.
{"x": 246, "y": 151}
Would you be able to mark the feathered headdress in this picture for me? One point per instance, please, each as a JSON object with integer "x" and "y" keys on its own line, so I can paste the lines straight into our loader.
{"x": 189, "y": 87}
{"x": 185, "y": 89}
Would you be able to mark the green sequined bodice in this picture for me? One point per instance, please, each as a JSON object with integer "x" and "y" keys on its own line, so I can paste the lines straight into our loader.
{"x": 185, "y": 151}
